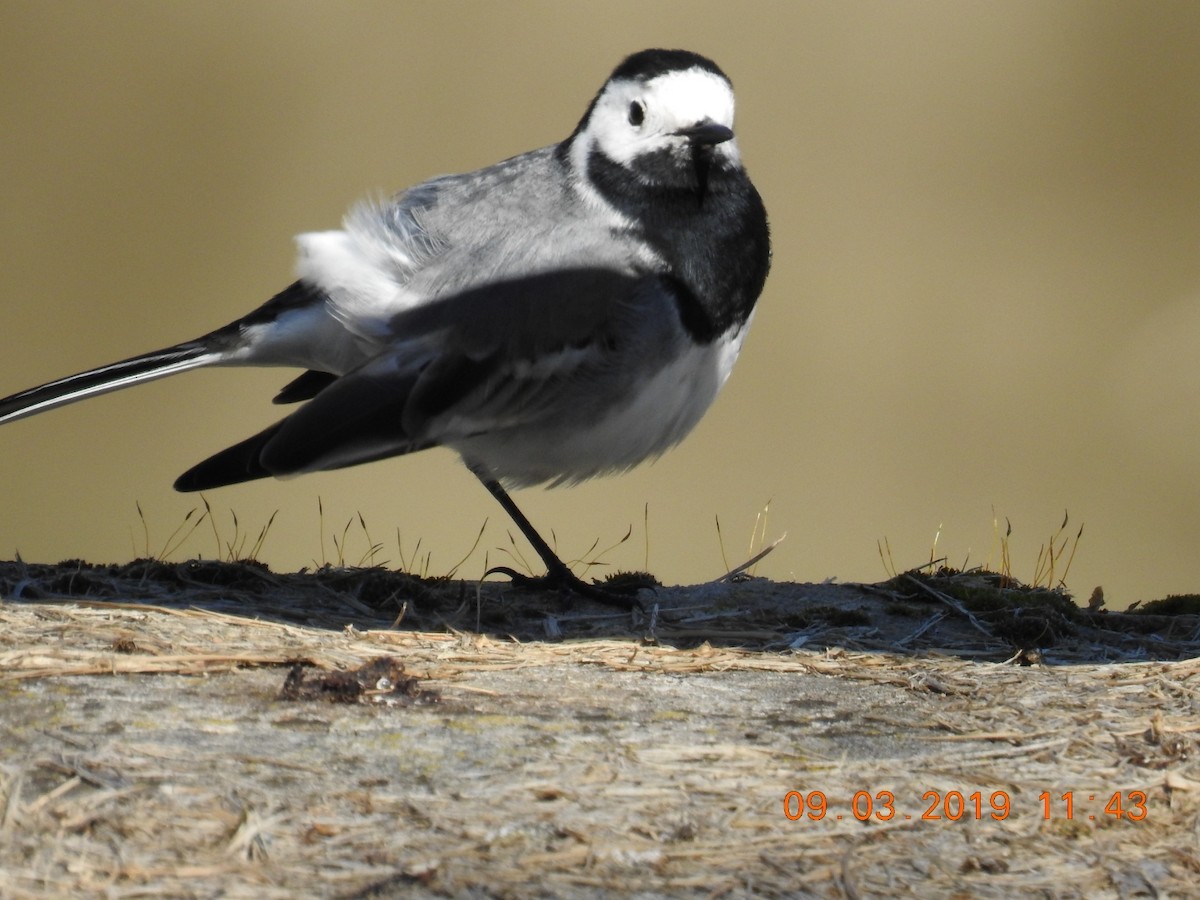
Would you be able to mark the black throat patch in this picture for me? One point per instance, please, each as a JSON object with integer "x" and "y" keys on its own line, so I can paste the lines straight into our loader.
{"x": 711, "y": 229}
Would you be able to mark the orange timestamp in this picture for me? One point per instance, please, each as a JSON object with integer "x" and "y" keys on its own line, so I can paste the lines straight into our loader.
{"x": 880, "y": 806}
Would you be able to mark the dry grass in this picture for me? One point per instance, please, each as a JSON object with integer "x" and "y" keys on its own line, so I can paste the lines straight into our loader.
{"x": 146, "y": 750}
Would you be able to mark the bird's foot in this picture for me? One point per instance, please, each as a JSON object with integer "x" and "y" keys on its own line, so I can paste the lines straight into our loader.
{"x": 563, "y": 579}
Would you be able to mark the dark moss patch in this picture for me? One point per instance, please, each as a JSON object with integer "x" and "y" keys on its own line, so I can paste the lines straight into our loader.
{"x": 1171, "y": 605}
{"x": 1022, "y": 615}
{"x": 630, "y": 582}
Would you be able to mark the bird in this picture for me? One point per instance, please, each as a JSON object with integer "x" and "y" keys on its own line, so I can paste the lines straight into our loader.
{"x": 563, "y": 314}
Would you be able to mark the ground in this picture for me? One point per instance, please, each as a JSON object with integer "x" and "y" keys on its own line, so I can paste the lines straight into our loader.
{"x": 204, "y": 729}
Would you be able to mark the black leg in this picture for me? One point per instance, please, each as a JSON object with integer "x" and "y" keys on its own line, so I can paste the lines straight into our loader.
{"x": 558, "y": 574}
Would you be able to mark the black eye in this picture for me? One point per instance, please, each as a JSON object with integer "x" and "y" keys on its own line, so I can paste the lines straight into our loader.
{"x": 637, "y": 113}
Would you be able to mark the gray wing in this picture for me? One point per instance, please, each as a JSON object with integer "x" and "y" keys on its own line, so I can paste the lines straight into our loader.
{"x": 511, "y": 353}
{"x": 458, "y": 233}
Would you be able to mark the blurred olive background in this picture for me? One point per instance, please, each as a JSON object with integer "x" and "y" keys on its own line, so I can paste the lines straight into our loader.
{"x": 985, "y": 295}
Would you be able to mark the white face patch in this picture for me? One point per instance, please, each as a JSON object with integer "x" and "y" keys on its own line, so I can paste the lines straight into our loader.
{"x": 632, "y": 118}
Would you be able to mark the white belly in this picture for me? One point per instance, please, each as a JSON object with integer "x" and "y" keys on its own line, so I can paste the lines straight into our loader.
{"x": 653, "y": 419}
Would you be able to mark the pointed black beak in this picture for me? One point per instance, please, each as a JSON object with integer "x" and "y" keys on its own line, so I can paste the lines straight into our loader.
{"x": 705, "y": 134}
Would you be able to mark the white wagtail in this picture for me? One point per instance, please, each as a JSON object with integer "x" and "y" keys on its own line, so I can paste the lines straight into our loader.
{"x": 566, "y": 313}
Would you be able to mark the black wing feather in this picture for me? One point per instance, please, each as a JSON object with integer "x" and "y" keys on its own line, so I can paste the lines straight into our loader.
{"x": 460, "y": 351}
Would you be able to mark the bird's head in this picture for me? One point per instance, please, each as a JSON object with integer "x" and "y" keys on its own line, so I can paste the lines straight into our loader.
{"x": 664, "y": 117}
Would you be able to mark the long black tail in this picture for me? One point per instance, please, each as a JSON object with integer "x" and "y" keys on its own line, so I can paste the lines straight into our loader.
{"x": 113, "y": 377}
